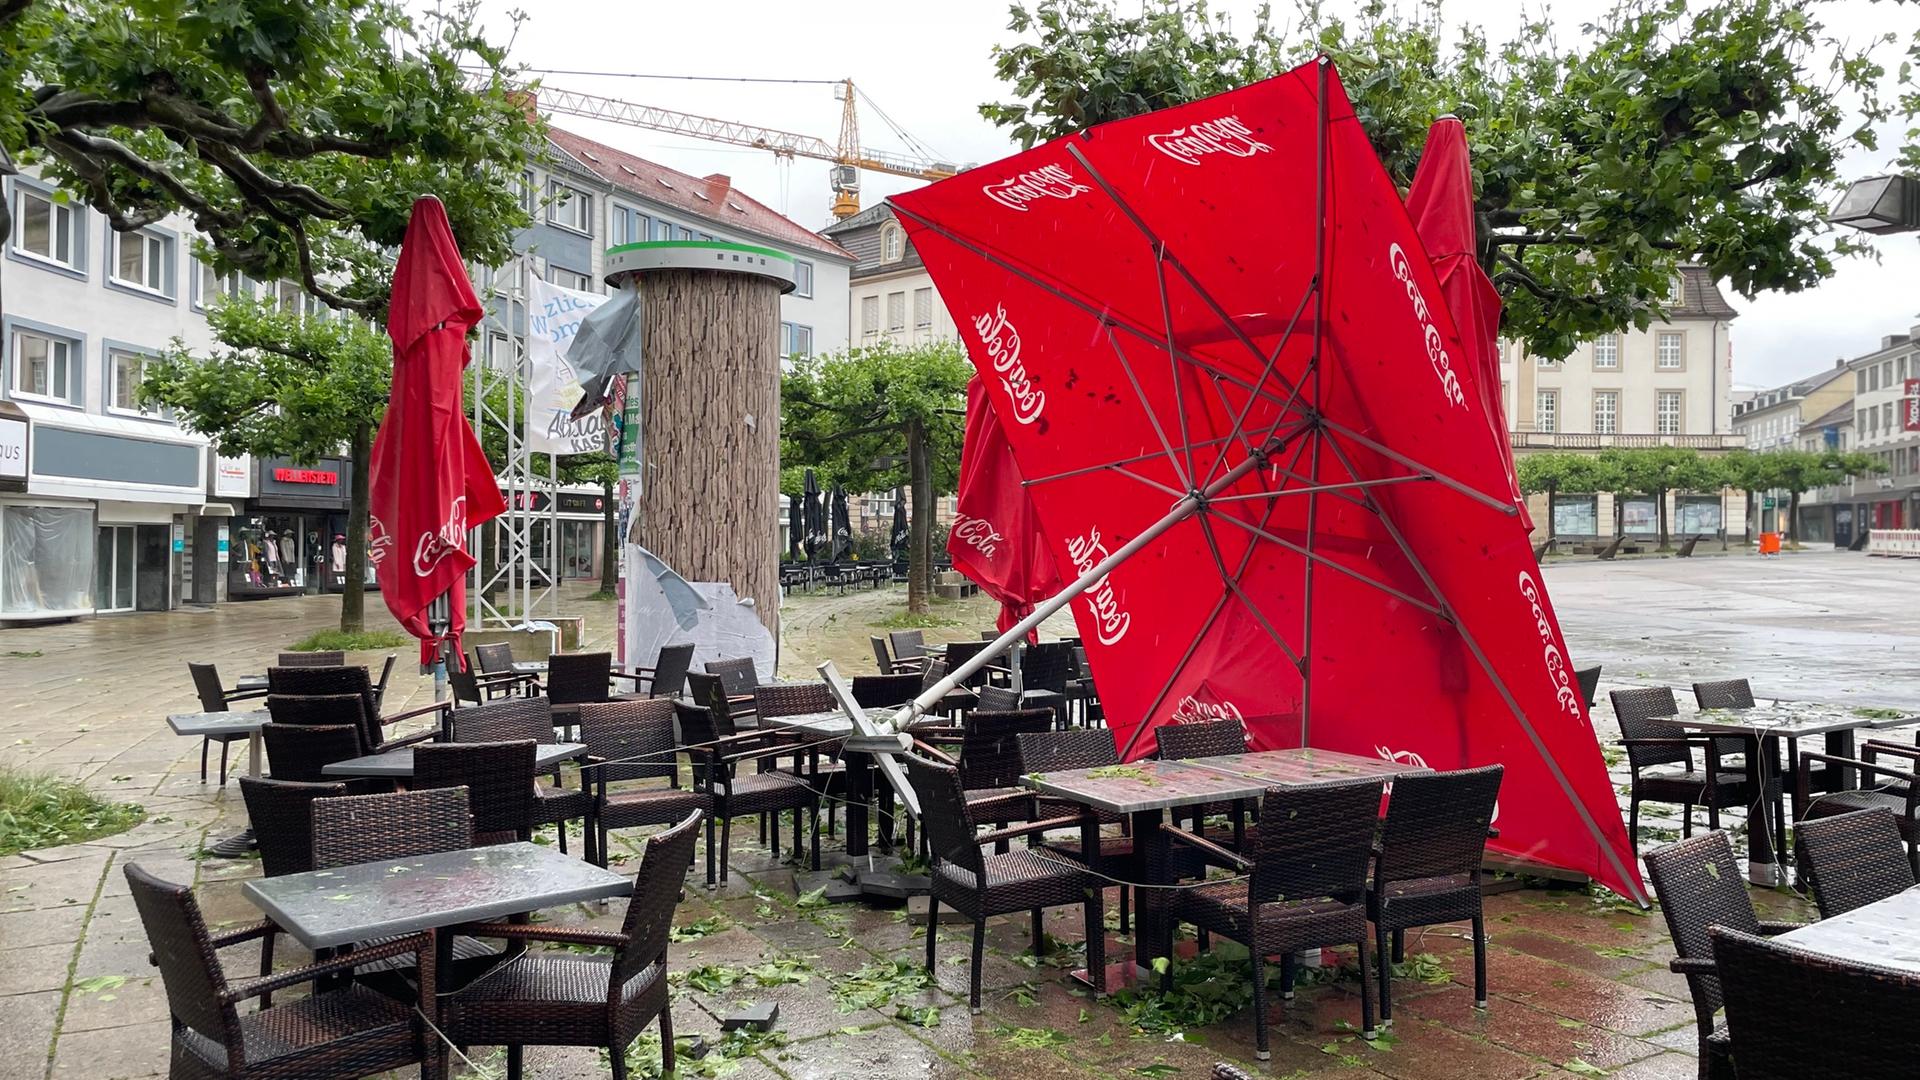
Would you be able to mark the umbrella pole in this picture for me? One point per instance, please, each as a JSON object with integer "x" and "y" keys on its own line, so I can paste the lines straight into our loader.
{"x": 439, "y": 619}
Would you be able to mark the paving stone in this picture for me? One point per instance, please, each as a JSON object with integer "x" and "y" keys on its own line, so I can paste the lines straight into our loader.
{"x": 133, "y": 1052}
{"x": 36, "y": 968}
{"x": 43, "y": 926}
{"x": 26, "y": 1032}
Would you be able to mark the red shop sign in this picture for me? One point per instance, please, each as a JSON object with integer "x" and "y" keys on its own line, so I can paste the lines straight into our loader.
{"x": 306, "y": 476}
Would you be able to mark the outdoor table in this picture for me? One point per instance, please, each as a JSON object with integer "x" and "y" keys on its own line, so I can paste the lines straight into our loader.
{"x": 829, "y": 726}
{"x": 228, "y": 723}
{"x": 398, "y": 764}
{"x": 1885, "y": 933}
{"x": 1310, "y": 765}
{"x": 1763, "y": 727}
{"x": 529, "y": 667}
{"x": 250, "y": 682}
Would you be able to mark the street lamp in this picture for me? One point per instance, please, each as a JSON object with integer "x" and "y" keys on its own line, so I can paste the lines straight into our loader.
{"x": 1880, "y": 205}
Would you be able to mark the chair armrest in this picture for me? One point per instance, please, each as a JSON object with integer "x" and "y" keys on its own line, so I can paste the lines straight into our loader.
{"x": 242, "y": 695}
{"x": 1692, "y": 965}
{"x": 1031, "y": 829}
{"x": 438, "y": 706}
{"x": 246, "y": 933}
{"x": 561, "y": 935}
{"x": 1770, "y": 928}
{"x": 409, "y": 740}
{"x": 1881, "y": 746}
{"x": 1693, "y": 741}
{"x": 421, "y": 945}
{"x": 1208, "y": 847}
{"x": 765, "y": 752}
{"x": 934, "y": 752}
{"x": 634, "y": 677}
{"x": 1009, "y": 798}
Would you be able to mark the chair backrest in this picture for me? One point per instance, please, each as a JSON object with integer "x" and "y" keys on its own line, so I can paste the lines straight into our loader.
{"x": 495, "y": 658}
{"x": 1322, "y": 850}
{"x": 1436, "y": 823}
{"x": 877, "y": 691}
{"x": 1588, "y": 679}
{"x": 1724, "y": 694}
{"x": 1854, "y": 859}
{"x": 1699, "y": 884}
{"x": 1205, "y": 738}
{"x": 206, "y": 683}
{"x": 943, "y": 811}
{"x": 880, "y": 657}
{"x": 498, "y": 777}
{"x": 507, "y": 720}
{"x": 657, "y": 887}
{"x": 1800, "y": 1015}
{"x": 936, "y": 670}
{"x": 793, "y": 699}
{"x": 737, "y": 673}
{"x": 328, "y": 658}
{"x": 990, "y": 746}
{"x": 322, "y": 710}
{"x": 386, "y": 672}
{"x": 638, "y": 734}
{"x": 670, "y": 671}
{"x": 958, "y": 653}
{"x": 183, "y": 950}
{"x": 697, "y": 729}
{"x": 315, "y": 681}
{"x": 997, "y": 699}
{"x": 403, "y": 825}
{"x": 907, "y": 643}
{"x": 1077, "y": 748}
{"x": 711, "y": 691}
{"x": 1633, "y": 710}
{"x": 281, "y": 813}
{"x": 575, "y": 678}
{"x": 299, "y": 752}
{"x": 465, "y": 687}
{"x": 1047, "y": 666}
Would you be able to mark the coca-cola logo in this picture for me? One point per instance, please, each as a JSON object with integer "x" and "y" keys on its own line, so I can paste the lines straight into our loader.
{"x": 1088, "y": 552}
{"x": 1045, "y": 182}
{"x": 1557, "y": 671}
{"x": 1001, "y": 340}
{"x": 1191, "y": 710}
{"x": 1408, "y": 757}
{"x": 977, "y": 533}
{"x": 1436, "y": 345}
{"x": 379, "y": 541}
{"x": 432, "y": 547}
{"x": 1227, "y": 135}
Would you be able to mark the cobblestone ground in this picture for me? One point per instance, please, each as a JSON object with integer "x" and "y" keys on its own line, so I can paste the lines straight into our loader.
{"x": 1579, "y": 983}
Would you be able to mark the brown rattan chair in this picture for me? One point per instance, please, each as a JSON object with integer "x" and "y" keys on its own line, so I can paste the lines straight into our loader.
{"x": 1800, "y": 1015}
{"x": 997, "y": 699}
{"x": 628, "y": 741}
{"x": 1699, "y": 885}
{"x": 324, "y": 658}
{"x": 1852, "y": 860}
{"x": 215, "y": 698}
{"x": 715, "y": 772}
{"x": 1080, "y": 748}
{"x": 576, "y": 679}
{"x": 554, "y": 999}
{"x": 1653, "y": 748}
{"x": 1207, "y": 738}
{"x": 889, "y": 665}
{"x": 1046, "y": 670}
{"x": 401, "y": 825}
{"x": 334, "y": 681}
{"x": 1896, "y": 790}
{"x": 908, "y": 645}
{"x": 817, "y": 760}
{"x": 299, "y": 752}
{"x": 1427, "y": 869}
{"x": 499, "y": 781}
{"x": 668, "y": 675}
{"x": 1305, "y": 887}
{"x": 530, "y": 719}
{"x": 989, "y": 763}
{"x": 380, "y": 684}
{"x": 883, "y": 691}
{"x": 740, "y": 680}
{"x": 347, "y": 1032}
{"x": 957, "y": 700}
{"x": 495, "y": 658}
{"x": 981, "y": 886}
{"x": 281, "y": 813}
{"x": 1588, "y": 680}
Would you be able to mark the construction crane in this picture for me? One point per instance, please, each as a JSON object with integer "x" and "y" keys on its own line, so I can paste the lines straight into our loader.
{"x": 848, "y": 157}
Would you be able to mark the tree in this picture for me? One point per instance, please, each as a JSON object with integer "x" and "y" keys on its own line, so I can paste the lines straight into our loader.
{"x": 1672, "y": 133}
{"x": 295, "y": 134}
{"x": 290, "y": 386}
{"x": 1555, "y": 472}
{"x": 1800, "y": 471}
{"x": 877, "y": 417}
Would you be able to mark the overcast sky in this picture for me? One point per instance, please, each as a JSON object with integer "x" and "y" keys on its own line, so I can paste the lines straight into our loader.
{"x": 929, "y": 67}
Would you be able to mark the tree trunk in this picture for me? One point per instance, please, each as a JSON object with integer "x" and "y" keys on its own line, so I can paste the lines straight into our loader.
{"x": 1751, "y": 519}
{"x": 920, "y": 522}
{"x": 1793, "y": 517}
{"x": 1552, "y": 490}
{"x": 353, "y": 599}
{"x": 1660, "y": 516}
{"x": 609, "y": 543}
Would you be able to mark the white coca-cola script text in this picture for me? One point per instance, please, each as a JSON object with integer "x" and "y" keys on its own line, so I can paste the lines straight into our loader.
{"x": 1557, "y": 672}
{"x": 1088, "y": 552}
{"x": 1045, "y": 182}
{"x": 1001, "y": 339}
{"x": 1436, "y": 345}
{"x": 977, "y": 533}
{"x": 1227, "y": 135}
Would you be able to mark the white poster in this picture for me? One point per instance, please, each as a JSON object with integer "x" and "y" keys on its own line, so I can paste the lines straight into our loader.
{"x": 554, "y": 317}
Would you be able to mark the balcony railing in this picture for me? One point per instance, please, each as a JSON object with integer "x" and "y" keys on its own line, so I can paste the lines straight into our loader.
{"x": 1574, "y": 440}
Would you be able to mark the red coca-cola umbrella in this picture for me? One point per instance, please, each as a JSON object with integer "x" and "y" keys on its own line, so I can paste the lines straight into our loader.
{"x": 996, "y": 537}
{"x": 430, "y": 481}
{"x": 1256, "y": 440}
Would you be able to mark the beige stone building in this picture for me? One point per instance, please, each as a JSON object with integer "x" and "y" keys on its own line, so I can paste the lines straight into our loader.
{"x": 892, "y": 296}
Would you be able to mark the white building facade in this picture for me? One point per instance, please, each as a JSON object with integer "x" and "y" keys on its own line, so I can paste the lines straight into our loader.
{"x": 891, "y": 296}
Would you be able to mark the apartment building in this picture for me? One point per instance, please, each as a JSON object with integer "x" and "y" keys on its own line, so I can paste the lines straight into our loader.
{"x": 1886, "y": 425}
{"x": 891, "y": 296}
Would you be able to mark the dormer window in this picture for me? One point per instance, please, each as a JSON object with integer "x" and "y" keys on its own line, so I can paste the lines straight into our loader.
{"x": 892, "y": 243}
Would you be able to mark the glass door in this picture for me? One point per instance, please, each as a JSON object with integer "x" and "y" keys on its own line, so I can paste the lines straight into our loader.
{"x": 576, "y": 548}
{"x": 113, "y": 568}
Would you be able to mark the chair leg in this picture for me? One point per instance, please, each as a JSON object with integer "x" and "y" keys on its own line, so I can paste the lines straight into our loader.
{"x": 710, "y": 852}
{"x": 1095, "y": 910}
{"x": 816, "y": 832}
{"x": 1386, "y": 974}
{"x": 516, "y": 1062}
{"x": 1260, "y": 1008}
{"x": 1686, "y": 821}
{"x": 1039, "y": 935}
{"x": 1713, "y": 815}
{"x": 561, "y": 828}
{"x": 1480, "y": 960}
{"x": 776, "y": 835}
{"x": 726, "y": 849}
{"x": 1287, "y": 975}
{"x": 266, "y": 965}
{"x": 204, "y": 742}
{"x": 979, "y": 955}
{"x": 1367, "y": 1030}
{"x": 1633, "y": 823}
{"x": 666, "y": 1038}
{"x": 617, "y": 1061}
{"x": 1124, "y": 913}
{"x": 225, "y": 744}
{"x": 933, "y": 924}
{"x": 1399, "y": 946}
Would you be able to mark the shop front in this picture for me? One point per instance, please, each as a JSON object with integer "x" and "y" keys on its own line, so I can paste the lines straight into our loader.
{"x": 577, "y": 517}
{"x": 291, "y": 537}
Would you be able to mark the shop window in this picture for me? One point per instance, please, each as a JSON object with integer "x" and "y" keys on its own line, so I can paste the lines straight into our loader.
{"x": 266, "y": 556}
{"x": 46, "y": 560}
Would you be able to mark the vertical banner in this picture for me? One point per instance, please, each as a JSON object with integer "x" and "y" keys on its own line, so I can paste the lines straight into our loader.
{"x": 554, "y": 315}
{"x": 630, "y": 433}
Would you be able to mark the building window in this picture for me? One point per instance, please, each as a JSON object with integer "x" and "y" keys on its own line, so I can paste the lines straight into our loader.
{"x": 922, "y": 308}
{"x": 1886, "y": 417}
{"x": 1873, "y": 377}
{"x": 802, "y": 278}
{"x": 125, "y": 369}
{"x": 1546, "y": 407}
{"x": 140, "y": 260}
{"x": 1606, "y": 412}
{"x": 1667, "y": 354}
{"x": 1669, "y": 412}
{"x": 45, "y": 229}
{"x": 896, "y": 311}
{"x": 625, "y": 225}
{"x": 43, "y": 368}
{"x": 869, "y": 316}
{"x": 213, "y": 286}
{"x": 1606, "y": 352}
{"x": 796, "y": 340}
{"x": 681, "y": 232}
{"x": 893, "y": 243}
{"x": 569, "y": 279}
{"x": 1677, "y": 291}
{"x": 1860, "y": 381}
{"x": 662, "y": 230}
{"x": 292, "y": 299}
{"x": 569, "y": 207}
{"x": 526, "y": 191}
{"x": 1544, "y": 361}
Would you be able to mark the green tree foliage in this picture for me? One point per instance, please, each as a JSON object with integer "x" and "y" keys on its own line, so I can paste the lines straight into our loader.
{"x": 878, "y": 417}
{"x": 1671, "y": 132}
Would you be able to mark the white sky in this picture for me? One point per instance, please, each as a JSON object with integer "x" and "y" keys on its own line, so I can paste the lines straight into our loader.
{"x": 928, "y": 66}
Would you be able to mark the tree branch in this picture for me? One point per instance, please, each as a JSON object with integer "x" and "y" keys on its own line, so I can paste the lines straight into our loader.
{"x": 880, "y": 429}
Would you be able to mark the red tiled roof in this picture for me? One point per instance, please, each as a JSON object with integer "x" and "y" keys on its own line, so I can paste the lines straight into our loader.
{"x": 713, "y": 198}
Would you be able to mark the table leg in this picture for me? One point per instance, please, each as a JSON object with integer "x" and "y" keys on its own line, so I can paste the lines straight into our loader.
{"x": 237, "y": 845}
{"x": 1840, "y": 744}
{"x": 1149, "y": 905}
{"x": 1763, "y": 757}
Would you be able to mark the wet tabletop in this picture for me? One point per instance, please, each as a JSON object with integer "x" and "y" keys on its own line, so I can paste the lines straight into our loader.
{"x": 399, "y": 763}
{"x": 1281, "y": 768}
{"x": 1885, "y": 933}
{"x": 831, "y": 725}
{"x": 1790, "y": 719}
{"x": 250, "y": 682}
{"x": 1143, "y": 785}
{"x": 529, "y": 667}
{"x": 325, "y": 908}
{"x": 219, "y": 723}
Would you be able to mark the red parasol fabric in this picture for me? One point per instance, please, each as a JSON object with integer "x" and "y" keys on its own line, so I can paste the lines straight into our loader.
{"x": 996, "y": 537}
{"x": 1440, "y": 202}
{"x": 430, "y": 481}
{"x": 1255, "y": 438}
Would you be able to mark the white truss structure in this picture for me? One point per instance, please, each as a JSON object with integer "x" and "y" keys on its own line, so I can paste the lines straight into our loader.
{"x": 524, "y": 584}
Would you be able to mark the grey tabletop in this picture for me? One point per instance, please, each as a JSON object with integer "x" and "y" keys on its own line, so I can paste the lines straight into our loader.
{"x": 399, "y": 763}
{"x": 1885, "y": 933}
{"x": 832, "y": 725}
{"x": 1143, "y": 785}
{"x": 1283, "y": 768}
{"x": 529, "y": 667}
{"x": 250, "y": 682}
{"x": 1789, "y": 719}
{"x": 219, "y": 723}
{"x": 326, "y": 908}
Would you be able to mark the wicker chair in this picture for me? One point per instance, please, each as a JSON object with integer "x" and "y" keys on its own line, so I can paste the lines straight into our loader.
{"x": 715, "y": 761}
{"x": 339, "y": 1033}
{"x": 576, "y": 679}
{"x": 299, "y": 752}
{"x": 888, "y": 665}
{"x": 959, "y": 652}
{"x": 667, "y": 677}
{"x": 380, "y": 684}
{"x": 633, "y": 740}
{"x": 907, "y": 644}
{"x": 1208, "y": 738}
{"x": 494, "y": 659}
{"x": 794, "y": 699}
{"x": 1306, "y": 887}
{"x": 882, "y": 691}
{"x": 215, "y": 698}
{"x": 1852, "y": 860}
{"x": 990, "y": 763}
{"x": 281, "y": 813}
{"x": 1699, "y": 885}
{"x": 982, "y": 886}
{"x": 1045, "y": 671}
{"x": 997, "y": 699}
{"x": 402, "y": 825}
{"x": 1894, "y": 790}
{"x": 499, "y": 781}
{"x": 1652, "y": 746}
{"x": 332, "y": 658}
{"x": 739, "y": 678}
{"x": 1799, "y": 1015}
{"x": 554, "y": 999}
{"x": 530, "y": 719}
{"x": 332, "y": 681}
{"x": 1428, "y": 866}
{"x": 818, "y": 760}
{"x": 1588, "y": 680}
{"x": 1080, "y": 748}
{"x": 957, "y": 700}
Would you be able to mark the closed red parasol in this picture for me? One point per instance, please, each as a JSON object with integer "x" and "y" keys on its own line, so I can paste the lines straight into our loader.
{"x": 996, "y": 537}
{"x": 430, "y": 481}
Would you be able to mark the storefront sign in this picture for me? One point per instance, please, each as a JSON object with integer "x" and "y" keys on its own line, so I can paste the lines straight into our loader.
{"x": 223, "y": 543}
{"x": 579, "y": 502}
{"x": 306, "y": 476}
{"x": 13, "y": 449}
{"x": 1910, "y": 406}
{"x": 232, "y": 476}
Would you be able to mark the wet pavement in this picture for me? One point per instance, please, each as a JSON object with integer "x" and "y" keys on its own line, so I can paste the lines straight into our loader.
{"x": 1579, "y": 983}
